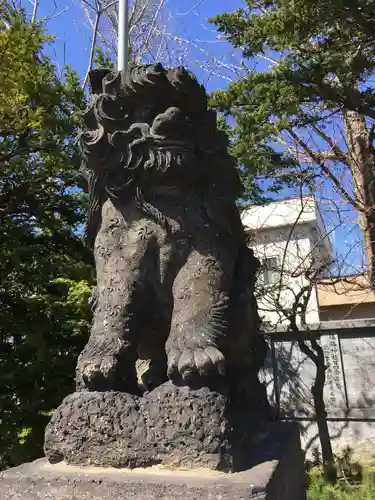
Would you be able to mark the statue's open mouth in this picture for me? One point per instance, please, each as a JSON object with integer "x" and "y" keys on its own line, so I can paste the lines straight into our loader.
{"x": 168, "y": 144}
{"x": 163, "y": 143}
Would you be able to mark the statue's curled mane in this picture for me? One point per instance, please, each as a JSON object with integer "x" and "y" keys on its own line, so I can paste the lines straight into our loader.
{"x": 129, "y": 125}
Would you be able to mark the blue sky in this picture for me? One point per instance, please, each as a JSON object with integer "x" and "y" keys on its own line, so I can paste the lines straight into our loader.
{"x": 73, "y": 33}
{"x": 187, "y": 20}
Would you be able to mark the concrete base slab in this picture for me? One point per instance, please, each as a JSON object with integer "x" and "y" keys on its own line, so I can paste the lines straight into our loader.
{"x": 280, "y": 479}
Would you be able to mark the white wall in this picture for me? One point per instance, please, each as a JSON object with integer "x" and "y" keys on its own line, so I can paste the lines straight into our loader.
{"x": 287, "y": 215}
{"x": 293, "y": 231}
{"x": 294, "y": 258}
{"x": 281, "y": 213}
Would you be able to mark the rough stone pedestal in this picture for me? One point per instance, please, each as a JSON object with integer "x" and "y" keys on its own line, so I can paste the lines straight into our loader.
{"x": 279, "y": 475}
{"x": 170, "y": 426}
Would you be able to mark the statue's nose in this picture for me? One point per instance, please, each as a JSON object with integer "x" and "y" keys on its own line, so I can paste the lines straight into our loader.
{"x": 170, "y": 123}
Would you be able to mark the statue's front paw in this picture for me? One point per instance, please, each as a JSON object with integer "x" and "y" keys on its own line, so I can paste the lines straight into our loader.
{"x": 189, "y": 363}
{"x": 96, "y": 374}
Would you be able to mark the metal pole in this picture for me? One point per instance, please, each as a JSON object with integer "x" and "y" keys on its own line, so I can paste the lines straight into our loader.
{"x": 123, "y": 35}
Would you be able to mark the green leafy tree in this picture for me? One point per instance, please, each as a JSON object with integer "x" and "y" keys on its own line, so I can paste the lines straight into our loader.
{"x": 315, "y": 99}
{"x": 256, "y": 160}
{"x": 45, "y": 271}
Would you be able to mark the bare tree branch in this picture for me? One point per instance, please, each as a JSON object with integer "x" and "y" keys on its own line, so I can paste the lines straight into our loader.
{"x": 35, "y": 11}
{"x": 327, "y": 172}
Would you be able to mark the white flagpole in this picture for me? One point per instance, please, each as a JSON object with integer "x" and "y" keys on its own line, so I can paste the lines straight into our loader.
{"x": 123, "y": 35}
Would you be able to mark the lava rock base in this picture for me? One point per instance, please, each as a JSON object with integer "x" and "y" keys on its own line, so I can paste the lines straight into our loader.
{"x": 170, "y": 425}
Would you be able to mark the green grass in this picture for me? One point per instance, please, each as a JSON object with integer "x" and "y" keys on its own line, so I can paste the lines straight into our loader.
{"x": 344, "y": 489}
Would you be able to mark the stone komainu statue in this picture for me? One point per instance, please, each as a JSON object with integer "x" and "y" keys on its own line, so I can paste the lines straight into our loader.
{"x": 175, "y": 279}
{"x": 174, "y": 299}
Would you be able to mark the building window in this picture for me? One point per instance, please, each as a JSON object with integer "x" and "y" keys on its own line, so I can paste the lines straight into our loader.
{"x": 270, "y": 270}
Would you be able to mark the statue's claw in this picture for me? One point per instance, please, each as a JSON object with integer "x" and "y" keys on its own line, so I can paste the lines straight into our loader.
{"x": 192, "y": 362}
{"x": 97, "y": 373}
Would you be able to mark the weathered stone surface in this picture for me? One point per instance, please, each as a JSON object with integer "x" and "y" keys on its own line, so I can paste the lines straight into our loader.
{"x": 170, "y": 425}
{"x": 175, "y": 278}
{"x": 169, "y": 375}
{"x": 174, "y": 300}
{"x": 279, "y": 476}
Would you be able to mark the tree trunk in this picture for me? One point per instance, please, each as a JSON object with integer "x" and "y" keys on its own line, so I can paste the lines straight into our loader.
{"x": 321, "y": 415}
{"x": 370, "y": 245}
{"x": 316, "y": 354}
{"x": 362, "y": 167}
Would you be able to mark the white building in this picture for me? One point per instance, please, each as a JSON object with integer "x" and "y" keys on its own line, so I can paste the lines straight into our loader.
{"x": 289, "y": 238}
